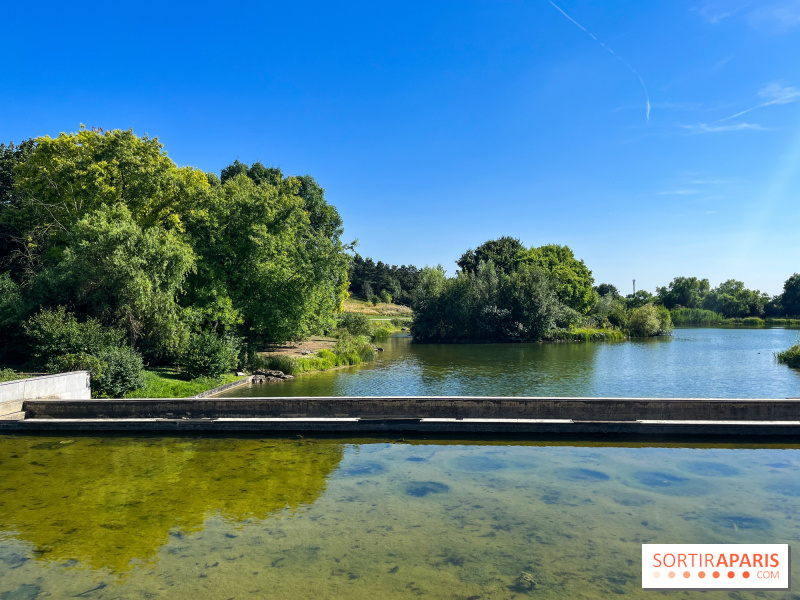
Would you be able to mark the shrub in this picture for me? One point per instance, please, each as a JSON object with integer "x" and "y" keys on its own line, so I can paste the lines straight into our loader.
{"x": 56, "y": 333}
{"x": 287, "y": 364}
{"x": 664, "y": 319}
{"x": 114, "y": 371}
{"x": 209, "y": 355}
{"x": 644, "y": 321}
{"x": 80, "y": 361}
{"x": 354, "y": 324}
{"x": 386, "y": 296}
{"x": 790, "y": 357}
{"x": 123, "y": 372}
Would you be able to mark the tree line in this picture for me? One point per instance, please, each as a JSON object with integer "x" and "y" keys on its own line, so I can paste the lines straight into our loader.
{"x": 106, "y": 243}
{"x": 504, "y": 291}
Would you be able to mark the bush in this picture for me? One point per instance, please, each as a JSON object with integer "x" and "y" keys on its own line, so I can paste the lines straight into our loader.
{"x": 80, "y": 361}
{"x": 386, "y": 296}
{"x": 114, "y": 371}
{"x": 209, "y": 355}
{"x": 354, "y": 324}
{"x": 287, "y": 364}
{"x": 123, "y": 372}
{"x": 790, "y": 357}
{"x": 57, "y": 333}
{"x": 664, "y": 319}
{"x": 644, "y": 321}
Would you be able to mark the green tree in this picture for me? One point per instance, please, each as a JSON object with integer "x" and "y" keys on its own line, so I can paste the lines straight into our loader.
{"x": 504, "y": 252}
{"x": 645, "y": 321}
{"x": 790, "y": 299}
{"x": 606, "y": 289}
{"x": 260, "y": 253}
{"x": 732, "y": 299}
{"x": 123, "y": 275}
{"x": 686, "y": 292}
{"x": 10, "y": 202}
{"x": 572, "y": 279}
{"x": 65, "y": 178}
{"x": 639, "y": 299}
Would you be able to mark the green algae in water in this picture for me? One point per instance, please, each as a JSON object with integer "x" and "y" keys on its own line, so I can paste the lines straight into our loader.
{"x": 147, "y": 517}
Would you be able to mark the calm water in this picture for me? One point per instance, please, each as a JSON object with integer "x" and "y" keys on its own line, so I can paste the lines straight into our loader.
{"x": 196, "y": 518}
{"x": 711, "y": 363}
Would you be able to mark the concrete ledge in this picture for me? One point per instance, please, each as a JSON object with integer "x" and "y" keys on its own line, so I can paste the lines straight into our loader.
{"x": 574, "y": 409}
{"x": 424, "y": 415}
{"x": 350, "y": 426}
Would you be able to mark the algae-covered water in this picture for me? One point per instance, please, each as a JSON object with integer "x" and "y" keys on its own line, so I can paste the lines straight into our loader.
{"x": 185, "y": 517}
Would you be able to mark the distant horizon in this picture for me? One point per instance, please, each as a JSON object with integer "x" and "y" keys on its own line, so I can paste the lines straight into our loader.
{"x": 655, "y": 140}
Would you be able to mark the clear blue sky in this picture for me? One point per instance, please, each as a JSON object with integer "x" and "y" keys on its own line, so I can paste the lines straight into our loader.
{"x": 434, "y": 126}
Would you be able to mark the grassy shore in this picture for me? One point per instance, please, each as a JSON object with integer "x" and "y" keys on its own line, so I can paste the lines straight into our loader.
{"x": 790, "y": 357}
{"x": 585, "y": 334}
{"x": 171, "y": 383}
{"x": 348, "y": 350}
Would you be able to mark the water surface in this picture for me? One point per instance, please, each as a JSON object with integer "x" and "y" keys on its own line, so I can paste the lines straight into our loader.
{"x": 148, "y": 517}
{"x": 692, "y": 363}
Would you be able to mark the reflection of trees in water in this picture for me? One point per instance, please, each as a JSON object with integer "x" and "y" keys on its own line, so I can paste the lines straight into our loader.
{"x": 530, "y": 369}
{"x": 106, "y": 501}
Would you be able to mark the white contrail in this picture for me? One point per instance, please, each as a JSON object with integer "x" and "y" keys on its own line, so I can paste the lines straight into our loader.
{"x": 617, "y": 56}
{"x": 782, "y": 100}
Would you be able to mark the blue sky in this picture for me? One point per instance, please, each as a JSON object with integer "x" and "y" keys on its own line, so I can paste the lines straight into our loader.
{"x": 434, "y": 126}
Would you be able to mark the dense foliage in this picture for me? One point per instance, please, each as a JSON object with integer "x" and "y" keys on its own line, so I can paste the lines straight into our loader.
{"x": 485, "y": 305}
{"x": 504, "y": 253}
{"x": 379, "y": 281}
{"x": 103, "y": 231}
{"x": 790, "y": 357}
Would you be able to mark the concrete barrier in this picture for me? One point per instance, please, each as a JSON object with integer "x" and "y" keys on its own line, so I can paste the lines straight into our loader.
{"x": 478, "y": 415}
{"x": 74, "y": 385}
{"x": 575, "y": 409}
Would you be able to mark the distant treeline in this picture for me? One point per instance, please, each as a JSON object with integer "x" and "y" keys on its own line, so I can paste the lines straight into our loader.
{"x": 379, "y": 282}
{"x": 504, "y": 291}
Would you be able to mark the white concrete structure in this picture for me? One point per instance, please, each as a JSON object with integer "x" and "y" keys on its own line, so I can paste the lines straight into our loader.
{"x": 63, "y": 386}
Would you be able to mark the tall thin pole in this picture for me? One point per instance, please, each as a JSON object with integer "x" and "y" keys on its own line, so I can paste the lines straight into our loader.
{"x": 634, "y": 287}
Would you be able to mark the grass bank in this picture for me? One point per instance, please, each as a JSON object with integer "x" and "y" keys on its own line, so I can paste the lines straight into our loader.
{"x": 695, "y": 316}
{"x": 349, "y": 350}
{"x": 585, "y": 334}
{"x": 790, "y": 357}
{"x": 384, "y": 309}
{"x": 171, "y": 383}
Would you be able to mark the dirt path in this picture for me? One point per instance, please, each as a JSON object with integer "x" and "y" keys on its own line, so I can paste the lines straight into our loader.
{"x": 308, "y": 347}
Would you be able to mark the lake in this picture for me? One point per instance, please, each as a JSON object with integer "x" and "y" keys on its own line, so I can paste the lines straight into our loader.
{"x": 191, "y": 517}
{"x": 692, "y": 363}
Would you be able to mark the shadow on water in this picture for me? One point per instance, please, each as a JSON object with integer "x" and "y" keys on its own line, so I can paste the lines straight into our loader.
{"x": 105, "y": 501}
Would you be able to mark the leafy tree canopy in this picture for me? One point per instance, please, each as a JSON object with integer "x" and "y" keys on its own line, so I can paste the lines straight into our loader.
{"x": 573, "y": 280}
{"x": 790, "y": 299}
{"x": 606, "y": 289}
{"x": 686, "y": 292}
{"x": 732, "y": 299}
{"x": 504, "y": 252}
